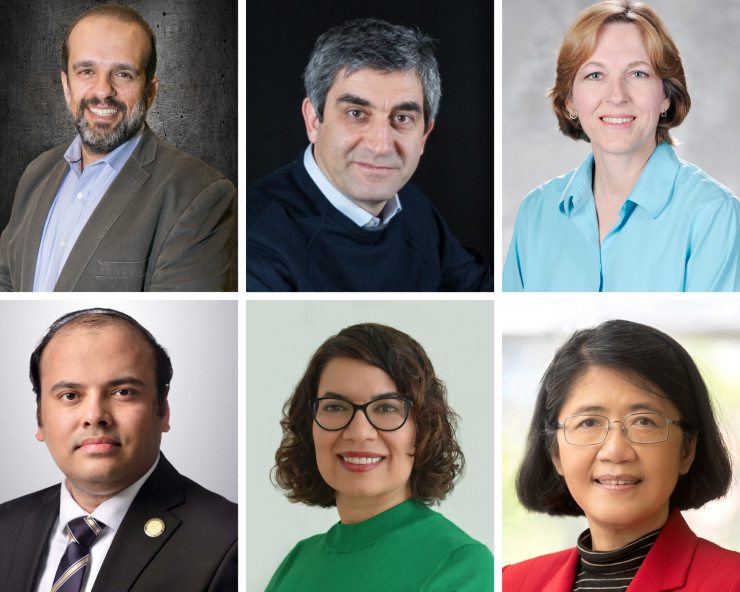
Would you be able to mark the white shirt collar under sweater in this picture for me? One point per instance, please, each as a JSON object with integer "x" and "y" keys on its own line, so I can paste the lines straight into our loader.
{"x": 345, "y": 205}
{"x": 110, "y": 513}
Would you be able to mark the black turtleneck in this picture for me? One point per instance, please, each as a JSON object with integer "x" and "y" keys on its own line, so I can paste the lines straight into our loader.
{"x": 610, "y": 570}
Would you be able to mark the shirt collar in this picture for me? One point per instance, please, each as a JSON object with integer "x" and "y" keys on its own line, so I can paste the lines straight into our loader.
{"x": 345, "y": 205}
{"x": 115, "y": 159}
{"x": 652, "y": 190}
{"x": 110, "y": 512}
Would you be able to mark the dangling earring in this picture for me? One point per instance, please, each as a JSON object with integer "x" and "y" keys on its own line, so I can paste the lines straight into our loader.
{"x": 573, "y": 116}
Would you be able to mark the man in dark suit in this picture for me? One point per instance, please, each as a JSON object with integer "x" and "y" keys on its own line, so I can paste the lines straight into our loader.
{"x": 124, "y": 520}
{"x": 117, "y": 209}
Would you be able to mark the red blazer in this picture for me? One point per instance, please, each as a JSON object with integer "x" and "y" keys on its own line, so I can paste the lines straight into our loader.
{"x": 679, "y": 560}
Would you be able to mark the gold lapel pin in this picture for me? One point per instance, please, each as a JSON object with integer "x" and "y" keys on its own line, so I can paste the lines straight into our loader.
{"x": 154, "y": 527}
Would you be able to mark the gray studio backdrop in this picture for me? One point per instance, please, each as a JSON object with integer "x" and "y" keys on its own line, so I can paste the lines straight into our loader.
{"x": 195, "y": 109}
{"x": 201, "y": 339}
{"x": 281, "y": 338}
{"x": 706, "y": 34}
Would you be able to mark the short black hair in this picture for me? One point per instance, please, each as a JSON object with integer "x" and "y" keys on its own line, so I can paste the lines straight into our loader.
{"x": 119, "y": 13}
{"x": 95, "y": 318}
{"x": 652, "y": 358}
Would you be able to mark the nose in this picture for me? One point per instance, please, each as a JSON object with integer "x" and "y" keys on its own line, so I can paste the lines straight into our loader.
{"x": 96, "y": 411}
{"x": 617, "y": 91}
{"x": 379, "y": 136}
{"x": 103, "y": 88}
{"x": 359, "y": 429}
{"x": 617, "y": 447}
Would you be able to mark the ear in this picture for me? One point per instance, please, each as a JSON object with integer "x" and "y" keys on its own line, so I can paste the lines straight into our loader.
{"x": 39, "y": 434}
{"x": 312, "y": 120}
{"x": 166, "y": 418}
{"x": 426, "y": 135}
{"x": 665, "y": 104}
{"x": 558, "y": 466}
{"x": 151, "y": 92}
{"x": 65, "y": 86}
{"x": 689, "y": 453}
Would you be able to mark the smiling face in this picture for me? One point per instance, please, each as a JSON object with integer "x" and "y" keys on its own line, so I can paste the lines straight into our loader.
{"x": 382, "y": 481}
{"x": 622, "y": 487}
{"x": 98, "y": 408}
{"x": 617, "y": 94}
{"x": 105, "y": 87}
{"x": 372, "y": 134}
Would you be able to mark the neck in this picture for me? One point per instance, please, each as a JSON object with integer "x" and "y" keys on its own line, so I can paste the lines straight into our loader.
{"x": 606, "y": 537}
{"x": 615, "y": 175}
{"x": 89, "y": 500}
{"x": 358, "y": 509}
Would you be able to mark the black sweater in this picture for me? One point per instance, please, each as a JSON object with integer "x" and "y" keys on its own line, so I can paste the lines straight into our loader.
{"x": 298, "y": 241}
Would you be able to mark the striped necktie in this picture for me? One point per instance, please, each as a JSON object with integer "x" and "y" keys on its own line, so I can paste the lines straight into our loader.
{"x": 71, "y": 568}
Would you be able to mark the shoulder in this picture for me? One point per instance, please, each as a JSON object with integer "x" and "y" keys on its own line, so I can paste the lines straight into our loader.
{"x": 699, "y": 187}
{"x": 707, "y": 553}
{"x": 47, "y": 160}
{"x": 548, "y": 194}
{"x": 536, "y": 572}
{"x": 17, "y": 509}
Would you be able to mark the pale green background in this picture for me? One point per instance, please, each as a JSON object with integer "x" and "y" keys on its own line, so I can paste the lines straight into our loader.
{"x": 532, "y": 331}
{"x": 281, "y": 338}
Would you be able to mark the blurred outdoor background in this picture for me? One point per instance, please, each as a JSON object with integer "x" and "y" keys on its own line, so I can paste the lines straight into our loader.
{"x": 533, "y": 329}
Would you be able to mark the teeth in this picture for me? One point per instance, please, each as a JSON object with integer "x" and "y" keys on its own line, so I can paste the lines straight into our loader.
{"x": 617, "y": 119}
{"x": 617, "y": 482}
{"x": 103, "y": 112}
{"x": 361, "y": 461}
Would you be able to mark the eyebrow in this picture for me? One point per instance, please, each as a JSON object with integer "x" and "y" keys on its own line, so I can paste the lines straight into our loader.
{"x": 63, "y": 385}
{"x": 645, "y": 406}
{"x": 355, "y": 100}
{"x": 330, "y": 395}
{"x": 630, "y": 65}
{"x": 91, "y": 63}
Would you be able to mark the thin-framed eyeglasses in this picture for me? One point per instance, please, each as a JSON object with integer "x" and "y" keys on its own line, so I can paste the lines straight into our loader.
{"x": 386, "y": 414}
{"x": 640, "y": 428}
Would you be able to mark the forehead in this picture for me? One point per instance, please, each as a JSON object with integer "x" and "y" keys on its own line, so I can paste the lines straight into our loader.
{"x": 377, "y": 85}
{"x": 355, "y": 379}
{"x": 614, "y": 393}
{"x": 103, "y": 38}
{"x": 84, "y": 351}
{"x": 619, "y": 43}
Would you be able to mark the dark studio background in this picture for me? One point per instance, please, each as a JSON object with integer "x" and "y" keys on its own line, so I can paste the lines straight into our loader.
{"x": 195, "y": 109}
{"x": 456, "y": 169}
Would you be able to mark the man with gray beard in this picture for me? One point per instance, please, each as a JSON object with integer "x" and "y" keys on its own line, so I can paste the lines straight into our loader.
{"x": 117, "y": 209}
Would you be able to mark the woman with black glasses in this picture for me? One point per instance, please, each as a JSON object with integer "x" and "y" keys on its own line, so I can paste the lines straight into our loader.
{"x": 624, "y": 433}
{"x": 368, "y": 430}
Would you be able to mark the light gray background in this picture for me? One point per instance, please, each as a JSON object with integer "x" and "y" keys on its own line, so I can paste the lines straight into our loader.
{"x": 201, "y": 339}
{"x": 706, "y": 34}
{"x": 282, "y": 336}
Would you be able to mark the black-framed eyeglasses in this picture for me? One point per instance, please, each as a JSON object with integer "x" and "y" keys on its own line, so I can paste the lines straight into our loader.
{"x": 640, "y": 428}
{"x": 384, "y": 413}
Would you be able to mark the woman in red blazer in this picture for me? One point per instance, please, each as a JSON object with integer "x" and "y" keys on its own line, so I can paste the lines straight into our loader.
{"x": 624, "y": 433}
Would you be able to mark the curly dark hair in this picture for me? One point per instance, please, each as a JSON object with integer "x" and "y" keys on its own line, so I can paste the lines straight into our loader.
{"x": 438, "y": 461}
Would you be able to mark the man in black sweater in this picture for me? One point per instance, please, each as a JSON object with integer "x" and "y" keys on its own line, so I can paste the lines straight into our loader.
{"x": 343, "y": 217}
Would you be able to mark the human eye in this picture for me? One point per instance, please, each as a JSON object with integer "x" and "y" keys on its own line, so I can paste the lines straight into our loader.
{"x": 68, "y": 397}
{"x": 594, "y": 76}
{"x": 386, "y": 407}
{"x": 356, "y": 114}
{"x": 125, "y": 75}
{"x": 588, "y": 423}
{"x": 640, "y": 74}
{"x": 334, "y": 407}
{"x": 125, "y": 392}
{"x": 643, "y": 421}
{"x": 404, "y": 118}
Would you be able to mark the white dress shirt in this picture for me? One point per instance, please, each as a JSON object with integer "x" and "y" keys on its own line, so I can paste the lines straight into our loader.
{"x": 345, "y": 205}
{"x": 110, "y": 513}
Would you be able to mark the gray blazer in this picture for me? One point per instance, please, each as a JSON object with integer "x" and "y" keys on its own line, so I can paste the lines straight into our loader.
{"x": 163, "y": 225}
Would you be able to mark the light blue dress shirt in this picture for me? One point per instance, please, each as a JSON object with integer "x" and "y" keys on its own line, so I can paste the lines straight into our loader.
{"x": 677, "y": 232}
{"x": 79, "y": 195}
{"x": 345, "y": 205}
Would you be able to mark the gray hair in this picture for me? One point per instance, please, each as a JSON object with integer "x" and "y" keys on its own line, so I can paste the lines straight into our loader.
{"x": 377, "y": 45}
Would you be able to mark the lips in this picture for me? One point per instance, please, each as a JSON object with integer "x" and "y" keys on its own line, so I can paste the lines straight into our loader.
{"x": 98, "y": 444}
{"x": 618, "y": 120}
{"x": 360, "y": 461}
{"x": 620, "y": 482}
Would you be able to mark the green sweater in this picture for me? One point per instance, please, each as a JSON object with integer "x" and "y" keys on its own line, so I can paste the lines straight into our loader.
{"x": 407, "y": 548}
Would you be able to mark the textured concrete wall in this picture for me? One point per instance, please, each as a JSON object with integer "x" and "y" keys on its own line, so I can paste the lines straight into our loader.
{"x": 195, "y": 108}
{"x": 706, "y": 34}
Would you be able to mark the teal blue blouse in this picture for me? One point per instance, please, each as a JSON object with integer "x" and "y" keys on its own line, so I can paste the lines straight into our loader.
{"x": 677, "y": 232}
